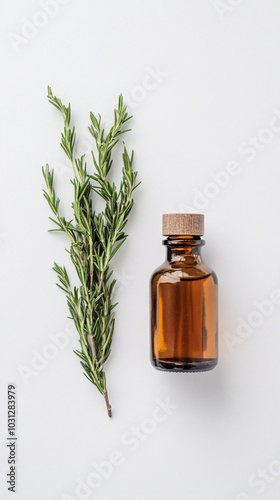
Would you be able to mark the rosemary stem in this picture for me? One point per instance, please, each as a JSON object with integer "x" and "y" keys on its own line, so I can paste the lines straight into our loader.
{"x": 108, "y": 406}
{"x": 74, "y": 169}
{"x": 93, "y": 348}
{"x": 91, "y": 263}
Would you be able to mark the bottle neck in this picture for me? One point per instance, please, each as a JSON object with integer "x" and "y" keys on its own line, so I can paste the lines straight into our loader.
{"x": 185, "y": 249}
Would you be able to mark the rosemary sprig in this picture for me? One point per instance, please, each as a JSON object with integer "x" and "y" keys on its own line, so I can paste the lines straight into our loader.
{"x": 94, "y": 237}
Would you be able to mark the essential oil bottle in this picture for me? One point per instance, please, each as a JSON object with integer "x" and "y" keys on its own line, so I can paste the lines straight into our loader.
{"x": 184, "y": 300}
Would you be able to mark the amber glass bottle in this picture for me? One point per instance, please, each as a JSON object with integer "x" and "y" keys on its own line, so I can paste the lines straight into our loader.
{"x": 184, "y": 300}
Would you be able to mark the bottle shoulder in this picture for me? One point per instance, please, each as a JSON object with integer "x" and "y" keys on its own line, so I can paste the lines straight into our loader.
{"x": 180, "y": 271}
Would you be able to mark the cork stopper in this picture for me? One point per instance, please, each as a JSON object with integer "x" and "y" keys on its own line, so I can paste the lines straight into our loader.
{"x": 183, "y": 224}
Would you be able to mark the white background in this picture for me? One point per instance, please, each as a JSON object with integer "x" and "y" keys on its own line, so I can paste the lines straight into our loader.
{"x": 217, "y": 86}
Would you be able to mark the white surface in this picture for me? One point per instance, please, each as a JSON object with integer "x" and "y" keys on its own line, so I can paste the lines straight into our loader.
{"x": 220, "y": 86}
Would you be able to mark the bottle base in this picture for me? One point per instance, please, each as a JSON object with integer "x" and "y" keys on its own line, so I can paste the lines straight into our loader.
{"x": 185, "y": 365}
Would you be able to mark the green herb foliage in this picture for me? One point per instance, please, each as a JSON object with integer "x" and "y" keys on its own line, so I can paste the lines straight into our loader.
{"x": 94, "y": 237}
